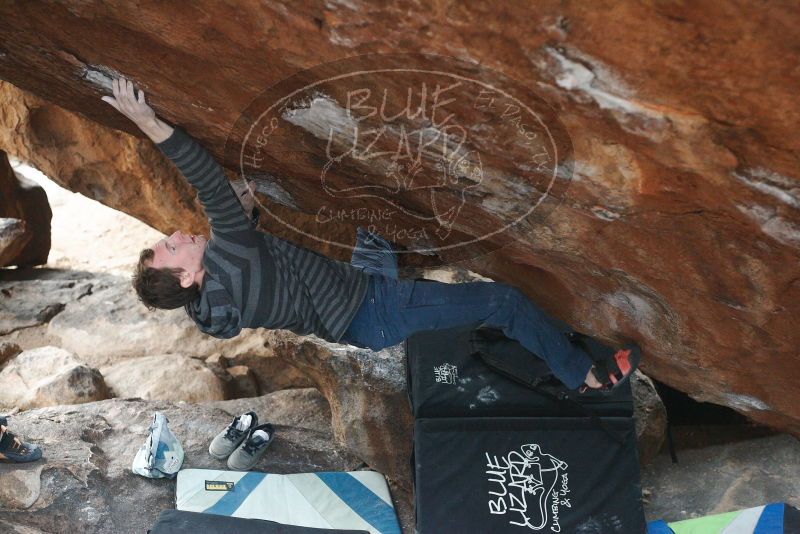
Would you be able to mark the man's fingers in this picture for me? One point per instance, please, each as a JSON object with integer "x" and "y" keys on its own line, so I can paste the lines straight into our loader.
{"x": 119, "y": 93}
{"x": 129, "y": 99}
{"x": 110, "y": 101}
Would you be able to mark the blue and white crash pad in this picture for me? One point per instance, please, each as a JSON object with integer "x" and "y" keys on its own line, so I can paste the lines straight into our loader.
{"x": 357, "y": 500}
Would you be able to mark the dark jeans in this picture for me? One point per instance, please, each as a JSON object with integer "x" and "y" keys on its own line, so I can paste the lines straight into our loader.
{"x": 394, "y": 309}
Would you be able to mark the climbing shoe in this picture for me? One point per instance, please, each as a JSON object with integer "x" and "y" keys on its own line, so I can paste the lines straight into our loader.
{"x": 252, "y": 449}
{"x": 615, "y": 371}
{"x": 12, "y": 449}
{"x": 226, "y": 441}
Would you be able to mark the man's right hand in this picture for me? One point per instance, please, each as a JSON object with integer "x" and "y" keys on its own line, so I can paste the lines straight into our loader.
{"x": 137, "y": 110}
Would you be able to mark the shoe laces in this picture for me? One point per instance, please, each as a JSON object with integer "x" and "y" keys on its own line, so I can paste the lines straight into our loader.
{"x": 232, "y": 432}
{"x": 252, "y": 444}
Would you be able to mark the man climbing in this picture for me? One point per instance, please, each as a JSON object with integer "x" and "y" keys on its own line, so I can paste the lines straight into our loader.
{"x": 243, "y": 278}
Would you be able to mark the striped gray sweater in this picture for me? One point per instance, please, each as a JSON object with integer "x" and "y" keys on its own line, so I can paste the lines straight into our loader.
{"x": 254, "y": 279}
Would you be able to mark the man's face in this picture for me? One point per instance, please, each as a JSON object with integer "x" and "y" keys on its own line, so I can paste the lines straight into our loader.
{"x": 181, "y": 251}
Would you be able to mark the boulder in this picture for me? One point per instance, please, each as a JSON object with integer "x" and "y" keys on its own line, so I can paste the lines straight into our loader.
{"x": 7, "y": 351}
{"x": 32, "y": 297}
{"x": 13, "y": 239}
{"x": 674, "y": 216}
{"x": 112, "y": 325}
{"x": 271, "y": 372}
{"x": 366, "y": 391}
{"x": 26, "y": 201}
{"x": 94, "y": 162}
{"x": 84, "y": 483}
{"x": 48, "y": 376}
{"x": 650, "y": 417}
{"x": 168, "y": 377}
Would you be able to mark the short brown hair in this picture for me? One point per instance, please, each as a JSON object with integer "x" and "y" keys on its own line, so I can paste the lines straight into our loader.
{"x": 160, "y": 288}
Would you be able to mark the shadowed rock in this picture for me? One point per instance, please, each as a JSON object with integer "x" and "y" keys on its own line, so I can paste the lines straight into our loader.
{"x": 13, "y": 239}
{"x": 7, "y": 351}
{"x": 650, "y": 417}
{"x": 25, "y": 201}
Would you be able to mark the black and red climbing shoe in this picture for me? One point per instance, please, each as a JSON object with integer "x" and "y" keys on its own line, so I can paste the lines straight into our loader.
{"x": 12, "y": 449}
{"x": 615, "y": 371}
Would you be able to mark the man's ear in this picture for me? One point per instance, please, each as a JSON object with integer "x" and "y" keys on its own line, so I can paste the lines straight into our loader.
{"x": 186, "y": 278}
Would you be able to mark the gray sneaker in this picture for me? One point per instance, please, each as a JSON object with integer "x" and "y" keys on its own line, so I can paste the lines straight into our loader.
{"x": 226, "y": 441}
{"x": 252, "y": 449}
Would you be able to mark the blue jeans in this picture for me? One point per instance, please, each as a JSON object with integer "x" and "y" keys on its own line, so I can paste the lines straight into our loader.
{"x": 394, "y": 309}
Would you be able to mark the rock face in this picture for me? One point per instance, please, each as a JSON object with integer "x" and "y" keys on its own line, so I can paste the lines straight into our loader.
{"x": 680, "y": 227}
{"x": 650, "y": 417}
{"x": 32, "y": 298}
{"x": 25, "y": 201}
{"x": 111, "y": 324}
{"x": 169, "y": 377}
{"x": 71, "y": 151}
{"x": 13, "y": 239}
{"x": 84, "y": 483}
{"x": 48, "y": 376}
{"x": 7, "y": 351}
{"x": 728, "y": 472}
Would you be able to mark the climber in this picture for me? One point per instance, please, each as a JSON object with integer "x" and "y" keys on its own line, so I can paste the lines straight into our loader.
{"x": 243, "y": 278}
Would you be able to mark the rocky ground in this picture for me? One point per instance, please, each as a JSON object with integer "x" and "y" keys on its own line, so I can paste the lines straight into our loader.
{"x": 84, "y": 366}
{"x": 84, "y": 481}
{"x": 721, "y": 468}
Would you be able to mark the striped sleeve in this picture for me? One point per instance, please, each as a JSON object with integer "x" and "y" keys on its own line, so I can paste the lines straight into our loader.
{"x": 220, "y": 202}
